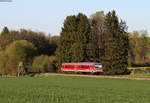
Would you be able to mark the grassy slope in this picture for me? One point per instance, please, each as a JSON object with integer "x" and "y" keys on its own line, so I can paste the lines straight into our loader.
{"x": 62, "y": 89}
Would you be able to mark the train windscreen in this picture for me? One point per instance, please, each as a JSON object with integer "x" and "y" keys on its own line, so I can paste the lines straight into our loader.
{"x": 98, "y": 66}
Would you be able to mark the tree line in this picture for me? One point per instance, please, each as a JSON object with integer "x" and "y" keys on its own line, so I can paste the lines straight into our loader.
{"x": 100, "y": 38}
{"x": 25, "y": 51}
{"x": 139, "y": 52}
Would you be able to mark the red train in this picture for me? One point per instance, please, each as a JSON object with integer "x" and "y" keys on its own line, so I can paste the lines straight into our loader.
{"x": 82, "y": 67}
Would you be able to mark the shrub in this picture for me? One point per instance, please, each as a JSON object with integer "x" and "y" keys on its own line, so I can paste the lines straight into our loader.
{"x": 43, "y": 64}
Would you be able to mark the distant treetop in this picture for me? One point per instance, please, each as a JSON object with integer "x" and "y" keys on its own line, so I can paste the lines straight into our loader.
{"x": 5, "y": 31}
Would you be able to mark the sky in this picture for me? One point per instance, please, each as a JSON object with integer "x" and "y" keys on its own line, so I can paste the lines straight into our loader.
{"x": 48, "y": 15}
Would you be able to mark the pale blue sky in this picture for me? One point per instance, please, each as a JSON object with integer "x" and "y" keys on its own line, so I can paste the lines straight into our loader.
{"x": 48, "y": 15}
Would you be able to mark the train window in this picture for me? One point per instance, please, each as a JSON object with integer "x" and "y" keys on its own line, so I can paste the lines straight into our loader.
{"x": 91, "y": 66}
{"x": 98, "y": 66}
{"x": 69, "y": 66}
{"x": 84, "y": 66}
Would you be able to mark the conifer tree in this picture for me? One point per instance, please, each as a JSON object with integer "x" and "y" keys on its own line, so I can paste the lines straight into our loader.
{"x": 64, "y": 52}
{"x": 115, "y": 45}
{"x": 73, "y": 39}
{"x": 81, "y": 38}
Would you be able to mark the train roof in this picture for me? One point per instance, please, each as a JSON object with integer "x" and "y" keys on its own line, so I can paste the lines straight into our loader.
{"x": 85, "y": 63}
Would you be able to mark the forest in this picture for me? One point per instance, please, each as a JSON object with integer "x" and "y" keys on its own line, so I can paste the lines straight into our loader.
{"x": 102, "y": 37}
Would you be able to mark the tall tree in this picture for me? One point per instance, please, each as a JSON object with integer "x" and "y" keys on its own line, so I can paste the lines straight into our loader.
{"x": 115, "y": 45}
{"x": 96, "y": 36}
{"x": 81, "y": 38}
{"x": 64, "y": 52}
{"x": 73, "y": 39}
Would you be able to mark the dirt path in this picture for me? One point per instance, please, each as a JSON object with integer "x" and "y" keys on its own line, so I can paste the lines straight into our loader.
{"x": 98, "y": 76}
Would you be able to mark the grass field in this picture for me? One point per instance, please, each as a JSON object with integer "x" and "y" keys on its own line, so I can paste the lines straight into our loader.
{"x": 64, "y": 89}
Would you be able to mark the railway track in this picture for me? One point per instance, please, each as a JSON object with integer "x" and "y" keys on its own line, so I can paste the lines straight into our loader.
{"x": 98, "y": 76}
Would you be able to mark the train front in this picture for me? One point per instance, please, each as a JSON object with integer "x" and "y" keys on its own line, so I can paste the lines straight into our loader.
{"x": 99, "y": 67}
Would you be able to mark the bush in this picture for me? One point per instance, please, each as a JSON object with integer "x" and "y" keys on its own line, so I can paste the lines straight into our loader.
{"x": 43, "y": 64}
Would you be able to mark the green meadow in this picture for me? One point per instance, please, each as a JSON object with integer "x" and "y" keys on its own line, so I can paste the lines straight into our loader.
{"x": 66, "y": 89}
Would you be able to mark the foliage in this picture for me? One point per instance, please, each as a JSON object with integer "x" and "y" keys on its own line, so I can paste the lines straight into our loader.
{"x": 116, "y": 45}
{"x": 54, "y": 41}
{"x": 7, "y": 66}
{"x": 44, "y": 63}
{"x": 139, "y": 47}
{"x": 39, "y": 39}
{"x": 73, "y": 39}
{"x": 5, "y": 31}
{"x": 67, "y": 89}
{"x": 2, "y": 63}
{"x": 100, "y": 38}
{"x": 95, "y": 46}
{"x": 105, "y": 40}
{"x": 22, "y": 46}
{"x": 21, "y": 50}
